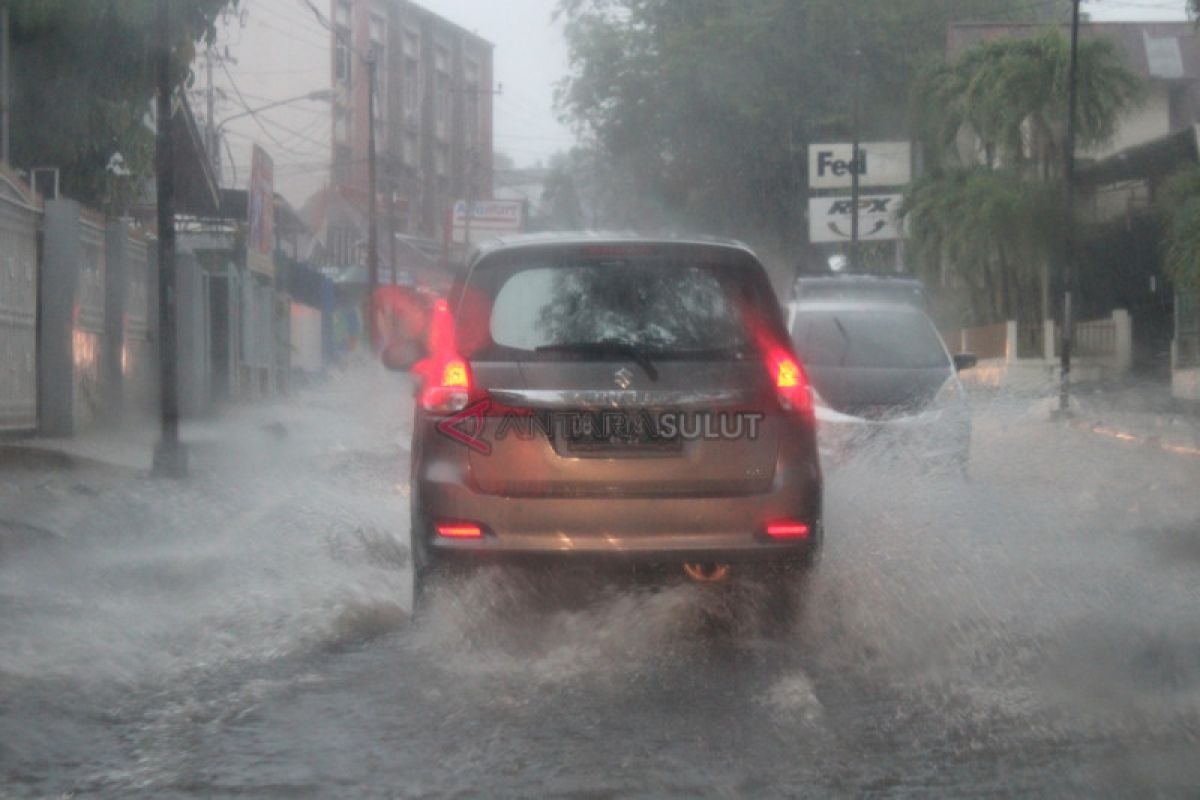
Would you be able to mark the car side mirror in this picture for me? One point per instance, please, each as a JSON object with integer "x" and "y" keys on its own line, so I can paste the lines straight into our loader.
{"x": 964, "y": 361}
{"x": 401, "y": 356}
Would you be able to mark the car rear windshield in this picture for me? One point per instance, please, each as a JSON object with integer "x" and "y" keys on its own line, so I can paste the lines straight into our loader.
{"x": 868, "y": 338}
{"x": 661, "y": 305}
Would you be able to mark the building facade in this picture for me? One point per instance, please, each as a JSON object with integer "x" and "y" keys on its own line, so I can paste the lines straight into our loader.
{"x": 433, "y": 117}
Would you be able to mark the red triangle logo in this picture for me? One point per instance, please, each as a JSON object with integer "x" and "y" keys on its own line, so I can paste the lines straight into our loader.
{"x": 466, "y": 427}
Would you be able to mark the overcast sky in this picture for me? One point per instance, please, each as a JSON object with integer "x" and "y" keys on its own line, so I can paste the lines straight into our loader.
{"x": 281, "y": 52}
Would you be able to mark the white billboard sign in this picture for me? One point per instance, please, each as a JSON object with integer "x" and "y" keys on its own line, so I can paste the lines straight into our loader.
{"x": 489, "y": 218}
{"x": 830, "y": 218}
{"x": 830, "y": 166}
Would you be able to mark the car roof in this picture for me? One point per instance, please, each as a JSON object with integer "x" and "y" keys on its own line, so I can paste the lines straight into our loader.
{"x": 858, "y": 305}
{"x": 580, "y": 238}
{"x": 846, "y": 291}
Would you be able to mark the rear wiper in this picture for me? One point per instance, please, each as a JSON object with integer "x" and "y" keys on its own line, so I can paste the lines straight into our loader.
{"x": 846, "y": 336}
{"x": 606, "y": 347}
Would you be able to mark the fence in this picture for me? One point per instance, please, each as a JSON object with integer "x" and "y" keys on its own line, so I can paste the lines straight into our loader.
{"x": 989, "y": 341}
{"x": 95, "y": 321}
{"x": 1187, "y": 331}
{"x": 128, "y": 367}
{"x": 72, "y": 318}
{"x": 20, "y": 217}
{"x": 1099, "y": 347}
{"x": 1093, "y": 339}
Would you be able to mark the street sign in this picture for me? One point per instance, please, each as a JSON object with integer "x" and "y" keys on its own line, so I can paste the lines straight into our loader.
{"x": 829, "y": 218}
{"x": 260, "y": 213}
{"x": 879, "y": 164}
{"x": 489, "y": 218}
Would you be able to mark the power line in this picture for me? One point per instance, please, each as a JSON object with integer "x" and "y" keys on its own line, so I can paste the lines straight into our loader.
{"x": 291, "y": 19}
{"x": 252, "y": 112}
{"x": 290, "y": 35}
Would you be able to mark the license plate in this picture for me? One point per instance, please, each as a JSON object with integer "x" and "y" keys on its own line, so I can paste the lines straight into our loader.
{"x": 612, "y": 433}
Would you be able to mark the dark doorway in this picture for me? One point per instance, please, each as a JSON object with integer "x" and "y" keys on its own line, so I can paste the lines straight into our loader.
{"x": 1122, "y": 268}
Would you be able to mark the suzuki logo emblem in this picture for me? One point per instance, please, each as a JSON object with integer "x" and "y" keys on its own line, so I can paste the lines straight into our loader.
{"x": 623, "y": 378}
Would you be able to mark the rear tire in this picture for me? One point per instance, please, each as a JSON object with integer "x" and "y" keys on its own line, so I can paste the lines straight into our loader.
{"x": 787, "y": 587}
{"x": 422, "y": 569}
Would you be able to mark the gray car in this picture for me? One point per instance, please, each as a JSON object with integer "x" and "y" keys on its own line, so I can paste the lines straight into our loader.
{"x": 614, "y": 400}
{"x": 883, "y": 381}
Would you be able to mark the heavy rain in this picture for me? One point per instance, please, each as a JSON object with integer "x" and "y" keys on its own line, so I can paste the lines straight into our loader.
{"x": 274, "y": 287}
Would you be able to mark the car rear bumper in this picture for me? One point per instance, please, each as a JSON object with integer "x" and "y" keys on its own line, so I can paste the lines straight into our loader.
{"x": 663, "y": 529}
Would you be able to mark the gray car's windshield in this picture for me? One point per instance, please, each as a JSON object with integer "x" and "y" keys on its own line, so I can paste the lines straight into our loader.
{"x": 902, "y": 339}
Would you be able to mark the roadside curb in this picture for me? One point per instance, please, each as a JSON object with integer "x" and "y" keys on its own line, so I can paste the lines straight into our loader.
{"x": 1100, "y": 429}
{"x": 35, "y": 455}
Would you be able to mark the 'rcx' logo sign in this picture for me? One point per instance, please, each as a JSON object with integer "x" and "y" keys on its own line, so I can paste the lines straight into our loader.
{"x": 830, "y": 218}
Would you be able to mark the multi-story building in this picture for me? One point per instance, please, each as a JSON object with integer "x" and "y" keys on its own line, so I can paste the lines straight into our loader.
{"x": 433, "y": 116}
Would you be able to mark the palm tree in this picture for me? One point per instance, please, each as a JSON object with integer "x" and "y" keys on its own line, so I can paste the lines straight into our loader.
{"x": 987, "y": 215}
{"x": 986, "y": 230}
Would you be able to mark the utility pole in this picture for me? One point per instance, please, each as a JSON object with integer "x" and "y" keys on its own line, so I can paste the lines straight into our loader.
{"x": 391, "y": 212}
{"x": 856, "y": 54}
{"x": 372, "y": 215}
{"x": 472, "y": 159}
{"x": 210, "y": 129}
{"x": 5, "y": 94}
{"x": 170, "y": 456}
{"x": 1069, "y": 277}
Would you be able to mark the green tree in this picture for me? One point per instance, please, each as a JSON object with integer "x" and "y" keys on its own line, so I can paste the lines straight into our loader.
{"x": 711, "y": 104}
{"x": 1179, "y": 204}
{"x": 988, "y": 230}
{"x": 82, "y": 87}
{"x": 992, "y": 216}
{"x": 1011, "y": 95}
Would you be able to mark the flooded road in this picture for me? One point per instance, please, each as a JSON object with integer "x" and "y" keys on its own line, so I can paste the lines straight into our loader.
{"x": 1032, "y": 631}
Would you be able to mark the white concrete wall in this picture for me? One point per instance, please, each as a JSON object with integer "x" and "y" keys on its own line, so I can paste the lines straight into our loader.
{"x": 1185, "y": 384}
{"x": 306, "y": 338}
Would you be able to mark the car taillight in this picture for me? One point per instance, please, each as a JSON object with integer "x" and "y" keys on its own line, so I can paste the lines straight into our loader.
{"x": 446, "y": 374}
{"x": 787, "y": 529}
{"x": 459, "y": 530}
{"x": 452, "y": 389}
{"x": 791, "y": 383}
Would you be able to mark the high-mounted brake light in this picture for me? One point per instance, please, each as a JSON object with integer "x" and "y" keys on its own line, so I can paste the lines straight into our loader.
{"x": 787, "y": 529}
{"x": 459, "y": 530}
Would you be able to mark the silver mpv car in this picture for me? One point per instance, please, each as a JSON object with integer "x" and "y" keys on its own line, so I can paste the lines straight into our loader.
{"x": 614, "y": 400}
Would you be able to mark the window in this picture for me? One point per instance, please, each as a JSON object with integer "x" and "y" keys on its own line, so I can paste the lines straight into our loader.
{"x": 472, "y": 98}
{"x": 900, "y": 339}
{"x": 441, "y": 104}
{"x": 378, "y": 27}
{"x": 341, "y": 15}
{"x": 658, "y": 304}
{"x": 377, "y": 55}
{"x": 341, "y": 62}
{"x": 412, "y": 88}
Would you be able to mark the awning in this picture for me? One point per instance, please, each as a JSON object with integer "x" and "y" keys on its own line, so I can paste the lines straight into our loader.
{"x": 1150, "y": 160}
{"x": 196, "y": 191}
